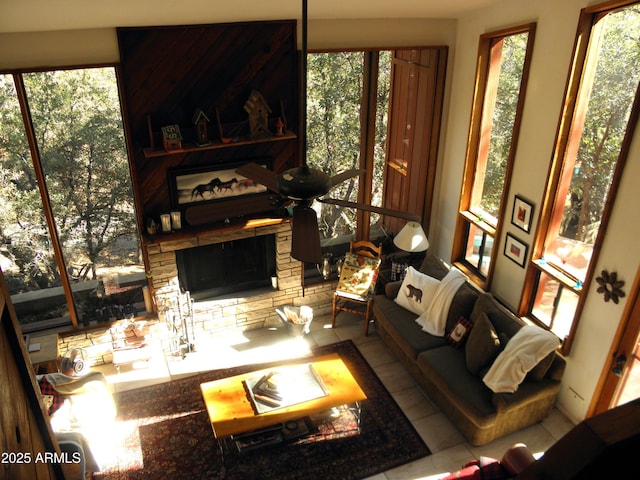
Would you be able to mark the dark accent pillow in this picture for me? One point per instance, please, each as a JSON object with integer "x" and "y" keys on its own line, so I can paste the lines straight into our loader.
{"x": 482, "y": 345}
{"x": 47, "y": 390}
{"x": 459, "y": 333}
{"x": 538, "y": 372}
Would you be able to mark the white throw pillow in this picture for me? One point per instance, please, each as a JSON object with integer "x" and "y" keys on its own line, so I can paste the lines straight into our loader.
{"x": 417, "y": 291}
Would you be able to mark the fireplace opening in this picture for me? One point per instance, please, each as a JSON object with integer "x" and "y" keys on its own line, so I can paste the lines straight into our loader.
{"x": 228, "y": 267}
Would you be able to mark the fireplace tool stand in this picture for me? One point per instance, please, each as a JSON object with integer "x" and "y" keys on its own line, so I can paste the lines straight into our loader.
{"x": 179, "y": 318}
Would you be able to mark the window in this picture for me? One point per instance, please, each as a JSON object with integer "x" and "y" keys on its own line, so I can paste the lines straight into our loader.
{"x": 593, "y": 137}
{"x": 502, "y": 70}
{"x": 337, "y": 105}
{"x": 70, "y": 248}
{"x": 372, "y": 109}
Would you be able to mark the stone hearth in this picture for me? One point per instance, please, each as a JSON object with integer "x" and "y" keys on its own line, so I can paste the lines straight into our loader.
{"x": 246, "y": 310}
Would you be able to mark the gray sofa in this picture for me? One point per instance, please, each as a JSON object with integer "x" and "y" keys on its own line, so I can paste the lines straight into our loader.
{"x": 443, "y": 371}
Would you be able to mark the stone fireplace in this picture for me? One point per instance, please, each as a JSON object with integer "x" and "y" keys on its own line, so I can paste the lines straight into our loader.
{"x": 245, "y": 307}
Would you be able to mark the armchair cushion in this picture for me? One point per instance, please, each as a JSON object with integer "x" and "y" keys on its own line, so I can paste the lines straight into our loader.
{"x": 52, "y": 399}
{"x": 358, "y": 275}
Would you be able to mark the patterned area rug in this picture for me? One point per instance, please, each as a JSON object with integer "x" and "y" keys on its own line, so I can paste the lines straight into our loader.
{"x": 162, "y": 431}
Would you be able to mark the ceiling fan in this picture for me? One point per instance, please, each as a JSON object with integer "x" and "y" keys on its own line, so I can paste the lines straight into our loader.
{"x": 304, "y": 184}
{"x": 301, "y": 184}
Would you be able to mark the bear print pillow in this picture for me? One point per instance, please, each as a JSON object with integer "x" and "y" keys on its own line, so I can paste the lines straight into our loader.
{"x": 416, "y": 291}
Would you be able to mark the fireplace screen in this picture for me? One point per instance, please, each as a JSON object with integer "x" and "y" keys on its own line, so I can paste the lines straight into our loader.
{"x": 228, "y": 267}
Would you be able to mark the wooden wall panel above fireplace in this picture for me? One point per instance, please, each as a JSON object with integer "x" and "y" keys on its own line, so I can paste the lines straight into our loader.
{"x": 166, "y": 73}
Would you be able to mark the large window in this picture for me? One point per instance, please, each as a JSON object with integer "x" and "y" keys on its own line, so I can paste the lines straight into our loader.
{"x": 593, "y": 138}
{"x": 68, "y": 239}
{"x": 338, "y": 94}
{"x": 503, "y": 63}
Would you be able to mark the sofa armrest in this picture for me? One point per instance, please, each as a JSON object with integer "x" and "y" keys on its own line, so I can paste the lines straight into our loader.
{"x": 527, "y": 392}
{"x": 391, "y": 289}
{"x": 556, "y": 370}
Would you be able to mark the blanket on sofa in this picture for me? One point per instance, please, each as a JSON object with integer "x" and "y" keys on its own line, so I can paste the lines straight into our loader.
{"x": 524, "y": 350}
{"x": 434, "y": 318}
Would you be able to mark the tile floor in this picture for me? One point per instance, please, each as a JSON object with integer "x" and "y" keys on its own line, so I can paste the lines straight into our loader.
{"x": 448, "y": 447}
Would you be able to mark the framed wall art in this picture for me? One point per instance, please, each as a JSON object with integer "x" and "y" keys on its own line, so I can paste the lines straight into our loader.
{"x": 212, "y": 183}
{"x": 515, "y": 249}
{"x": 522, "y": 213}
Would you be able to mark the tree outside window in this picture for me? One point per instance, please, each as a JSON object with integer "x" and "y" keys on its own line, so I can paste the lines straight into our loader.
{"x": 335, "y": 96}
{"x": 78, "y": 146}
{"x": 587, "y": 165}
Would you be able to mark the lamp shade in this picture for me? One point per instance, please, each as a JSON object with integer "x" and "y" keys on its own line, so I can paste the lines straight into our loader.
{"x": 411, "y": 238}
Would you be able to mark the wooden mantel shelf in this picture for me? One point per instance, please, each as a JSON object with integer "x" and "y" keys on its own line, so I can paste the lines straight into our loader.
{"x": 232, "y": 226}
{"x": 152, "y": 152}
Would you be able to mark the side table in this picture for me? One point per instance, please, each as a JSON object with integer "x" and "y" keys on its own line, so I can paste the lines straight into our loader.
{"x": 46, "y": 357}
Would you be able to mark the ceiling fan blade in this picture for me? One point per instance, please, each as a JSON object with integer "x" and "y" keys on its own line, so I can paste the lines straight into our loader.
{"x": 305, "y": 237}
{"x": 261, "y": 175}
{"x": 346, "y": 175}
{"x": 370, "y": 208}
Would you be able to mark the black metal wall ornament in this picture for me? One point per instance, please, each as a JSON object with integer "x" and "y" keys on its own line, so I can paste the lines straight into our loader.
{"x": 610, "y": 286}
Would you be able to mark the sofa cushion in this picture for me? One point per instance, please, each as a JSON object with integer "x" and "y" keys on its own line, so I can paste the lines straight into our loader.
{"x": 461, "y": 305}
{"x": 417, "y": 291}
{"x": 482, "y": 345}
{"x": 400, "y": 324}
{"x": 459, "y": 333}
{"x": 538, "y": 372}
{"x": 502, "y": 319}
{"x": 434, "y": 267}
{"x": 445, "y": 367}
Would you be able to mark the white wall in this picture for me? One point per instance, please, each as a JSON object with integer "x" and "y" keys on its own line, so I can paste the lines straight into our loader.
{"x": 93, "y": 46}
{"x": 556, "y": 27}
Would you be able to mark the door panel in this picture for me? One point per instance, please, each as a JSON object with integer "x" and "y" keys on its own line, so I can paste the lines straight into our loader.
{"x": 417, "y": 80}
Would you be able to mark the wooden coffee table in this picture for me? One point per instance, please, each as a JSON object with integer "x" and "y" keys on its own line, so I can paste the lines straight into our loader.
{"x": 231, "y": 411}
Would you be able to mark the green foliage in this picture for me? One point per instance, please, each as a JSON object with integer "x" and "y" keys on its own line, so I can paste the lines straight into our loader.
{"x": 502, "y": 122}
{"x": 612, "y": 94}
{"x": 334, "y": 96}
{"x": 333, "y": 128}
{"x": 78, "y": 130}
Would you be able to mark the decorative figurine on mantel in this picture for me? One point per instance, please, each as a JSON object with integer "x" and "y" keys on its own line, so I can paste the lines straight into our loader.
{"x": 258, "y": 109}
{"x": 279, "y": 127}
{"x": 171, "y": 138}
{"x": 200, "y": 120}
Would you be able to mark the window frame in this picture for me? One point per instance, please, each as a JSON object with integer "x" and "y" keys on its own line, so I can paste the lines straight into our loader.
{"x": 485, "y": 88}
{"x": 549, "y": 219}
{"x": 54, "y": 236}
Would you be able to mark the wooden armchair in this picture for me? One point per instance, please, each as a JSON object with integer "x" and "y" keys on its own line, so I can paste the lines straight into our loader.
{"x": 357, "y": 282}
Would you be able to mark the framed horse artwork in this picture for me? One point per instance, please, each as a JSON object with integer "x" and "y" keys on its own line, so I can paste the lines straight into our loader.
{"x": 212, "y": 183}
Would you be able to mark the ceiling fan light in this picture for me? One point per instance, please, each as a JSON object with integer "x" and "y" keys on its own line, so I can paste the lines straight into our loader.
{"x": 305, "y": 238}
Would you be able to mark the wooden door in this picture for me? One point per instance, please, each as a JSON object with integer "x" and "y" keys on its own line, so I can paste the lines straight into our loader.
{"x": 620, "y": 380}
{"x": 415, "y": 107}
{"x": 24, "y": 430}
